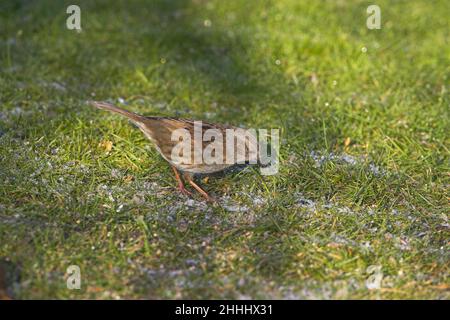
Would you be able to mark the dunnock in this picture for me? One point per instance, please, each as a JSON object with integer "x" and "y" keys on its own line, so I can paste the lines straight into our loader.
{"x": 160, "y": 129}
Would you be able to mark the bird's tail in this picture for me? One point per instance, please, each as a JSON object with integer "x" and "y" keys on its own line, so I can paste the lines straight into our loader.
{"x": 110, "y": 107}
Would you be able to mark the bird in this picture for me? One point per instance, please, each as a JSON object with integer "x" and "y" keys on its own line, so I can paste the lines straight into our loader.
{"x": 160, "y": 130}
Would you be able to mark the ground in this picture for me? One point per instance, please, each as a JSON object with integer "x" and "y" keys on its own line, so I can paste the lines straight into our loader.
{"x": 359, "y": 208}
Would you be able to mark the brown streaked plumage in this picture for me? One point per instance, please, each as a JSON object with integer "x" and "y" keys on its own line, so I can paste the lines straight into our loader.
{"x": 159, "y": 130}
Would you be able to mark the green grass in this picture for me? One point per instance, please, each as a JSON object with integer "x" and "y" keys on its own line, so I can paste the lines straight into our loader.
{"x": 364, "y": 172}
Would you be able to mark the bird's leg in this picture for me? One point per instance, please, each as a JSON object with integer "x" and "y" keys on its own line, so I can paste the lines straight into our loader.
{"x": 181, "y": 187}
{"x": 200, "y": 190}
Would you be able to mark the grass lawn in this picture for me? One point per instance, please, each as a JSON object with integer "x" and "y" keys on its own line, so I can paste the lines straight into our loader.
{"x": 359, "y": 208}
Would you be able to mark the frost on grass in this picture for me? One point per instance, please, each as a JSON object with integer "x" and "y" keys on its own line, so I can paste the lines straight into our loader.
{"x": 367, "y": 219}
{"x": 320, "y": 158}
{"x": 313, "y": 206}
{"x": 230, "y": 205}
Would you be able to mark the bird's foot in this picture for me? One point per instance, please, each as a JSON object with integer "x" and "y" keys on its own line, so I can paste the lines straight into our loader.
{"x": 184, "y": 191}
